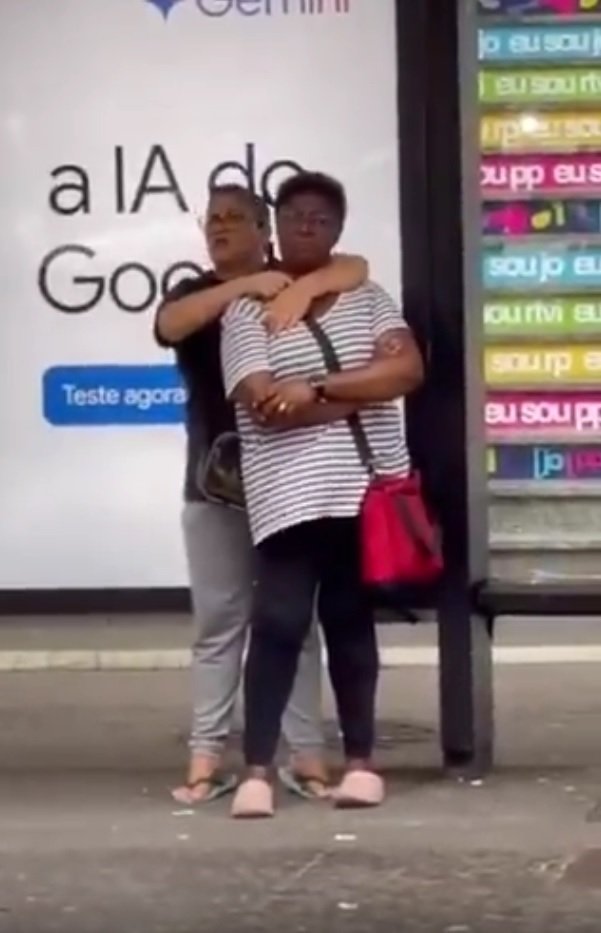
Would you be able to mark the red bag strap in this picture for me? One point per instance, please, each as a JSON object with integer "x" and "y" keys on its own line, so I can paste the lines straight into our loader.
{"x": 429, "y": 545}
{"x": 332, "y": 362}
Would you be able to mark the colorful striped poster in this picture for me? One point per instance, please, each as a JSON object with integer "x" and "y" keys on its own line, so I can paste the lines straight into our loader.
{"x": 540, "y": 179}
{"x": 577, "y": 173}
{"x": 551, "y": 216}
{"x": 536, "y": 43}
{"x": 544, "y": 413}
{"x": 548, "y": 131}
{"x": 543, "y": 364}
{"x": 544, "y": 462}
{"x": 534, "y": 316}
{"x": 556, "y": 8}
{"x": 541, "y": 86}
{"x": 507, "y": 268}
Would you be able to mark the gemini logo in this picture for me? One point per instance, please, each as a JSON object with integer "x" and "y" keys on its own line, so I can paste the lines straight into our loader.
{"x": 216, "y": 9}
{"x": 164, "y": 6}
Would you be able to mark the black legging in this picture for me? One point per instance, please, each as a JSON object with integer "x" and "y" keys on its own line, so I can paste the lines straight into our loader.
{"x": 319, "y": 557}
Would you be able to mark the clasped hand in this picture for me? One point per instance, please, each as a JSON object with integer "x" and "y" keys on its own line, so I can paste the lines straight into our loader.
{"x": 286, "y": 301}
{"x": 283, "y": 400}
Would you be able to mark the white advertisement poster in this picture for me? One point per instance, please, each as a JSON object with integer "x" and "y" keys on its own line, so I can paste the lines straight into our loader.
{"x": 115, "y": 115}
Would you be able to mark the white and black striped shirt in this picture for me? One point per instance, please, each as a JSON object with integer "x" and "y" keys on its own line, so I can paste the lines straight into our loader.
{"x": 303, "y": 474}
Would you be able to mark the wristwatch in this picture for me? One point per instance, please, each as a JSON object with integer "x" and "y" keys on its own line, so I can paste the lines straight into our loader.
{"x": 318, "y": 384}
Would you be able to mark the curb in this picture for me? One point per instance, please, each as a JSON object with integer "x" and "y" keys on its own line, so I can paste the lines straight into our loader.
{"x": 170, "y": 659}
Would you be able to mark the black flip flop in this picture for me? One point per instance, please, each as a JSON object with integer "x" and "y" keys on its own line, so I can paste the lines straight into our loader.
{"x": 219, "y": 786}
{"x": 300, "y": 784}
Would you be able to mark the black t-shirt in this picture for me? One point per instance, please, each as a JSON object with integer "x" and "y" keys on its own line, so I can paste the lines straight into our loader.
{"x": 208, "y": 413}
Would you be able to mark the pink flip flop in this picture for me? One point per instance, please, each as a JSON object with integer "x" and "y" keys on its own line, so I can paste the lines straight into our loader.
{"x": 253, "y": 800}
{"x": 359, "y": 789}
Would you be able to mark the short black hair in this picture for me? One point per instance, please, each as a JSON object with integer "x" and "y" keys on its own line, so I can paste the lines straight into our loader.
{"x": 330, "y": 189}
{"x": 254, "y": 201}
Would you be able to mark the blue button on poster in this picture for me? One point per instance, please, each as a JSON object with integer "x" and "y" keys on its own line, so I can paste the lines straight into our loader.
{"x": 113, "y": 395}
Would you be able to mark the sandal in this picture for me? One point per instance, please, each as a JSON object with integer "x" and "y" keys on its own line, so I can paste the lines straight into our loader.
{"x": 253, "y": 800}
{"x": 359, "y": 789}
{"x": 218, "y": 785}
{"x": 307, "y": 786}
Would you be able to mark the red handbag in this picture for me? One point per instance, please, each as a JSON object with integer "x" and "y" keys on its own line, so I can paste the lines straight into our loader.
{"x": 400, "y": 544}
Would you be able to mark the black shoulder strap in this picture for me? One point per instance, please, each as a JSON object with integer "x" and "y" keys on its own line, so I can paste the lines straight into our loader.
{"x": 333, "y": 366}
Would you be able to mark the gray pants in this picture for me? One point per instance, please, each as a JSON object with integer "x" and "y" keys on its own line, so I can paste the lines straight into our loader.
{"x": 220, "y": 561}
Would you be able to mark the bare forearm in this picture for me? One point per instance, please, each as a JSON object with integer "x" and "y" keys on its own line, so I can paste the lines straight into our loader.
{"x": 178, "y": 319}
{"x": 312, "y": 415}
{"x": 270, "y": 404}
{"x": 342, "y": 274}
{"x": 380, "y": 381}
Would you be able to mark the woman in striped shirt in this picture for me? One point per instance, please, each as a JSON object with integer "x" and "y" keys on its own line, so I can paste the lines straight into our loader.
{"x": 304, "y": 484}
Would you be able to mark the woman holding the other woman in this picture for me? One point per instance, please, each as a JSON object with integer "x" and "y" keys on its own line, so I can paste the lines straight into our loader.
{"x": 220, "y": 558}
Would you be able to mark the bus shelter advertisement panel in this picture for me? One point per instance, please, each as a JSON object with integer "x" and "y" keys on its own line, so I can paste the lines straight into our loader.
{"x": 540, "y": 92}
{"x": 106, "y": 165}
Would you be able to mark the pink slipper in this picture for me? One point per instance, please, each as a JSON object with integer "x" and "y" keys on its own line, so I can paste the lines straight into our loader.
{"x": 359, "y": 789}
{"x": 253, "y": 800}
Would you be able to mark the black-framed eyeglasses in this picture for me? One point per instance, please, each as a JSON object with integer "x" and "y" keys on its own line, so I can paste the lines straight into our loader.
{"x": 230, "y": 218}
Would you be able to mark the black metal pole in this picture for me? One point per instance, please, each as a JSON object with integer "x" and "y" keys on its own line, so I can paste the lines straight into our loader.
{"x": 438, "y": 111}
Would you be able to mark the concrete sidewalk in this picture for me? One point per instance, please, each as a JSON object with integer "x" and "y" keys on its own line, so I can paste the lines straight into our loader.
{"x": 91, "y": 842}
{"x": 162, "y": 643}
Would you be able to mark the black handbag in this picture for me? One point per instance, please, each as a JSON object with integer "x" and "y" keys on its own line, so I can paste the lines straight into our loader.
{"x": 220, "y": 475}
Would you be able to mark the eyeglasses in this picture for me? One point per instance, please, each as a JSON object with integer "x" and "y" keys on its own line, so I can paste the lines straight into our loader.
{"x": 306, "y": 219}
{"x": 229, "y": 219}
